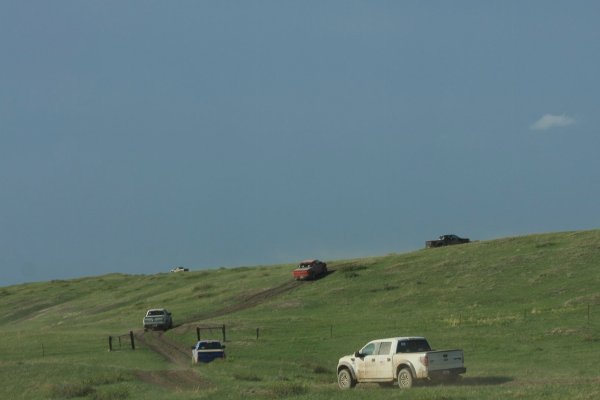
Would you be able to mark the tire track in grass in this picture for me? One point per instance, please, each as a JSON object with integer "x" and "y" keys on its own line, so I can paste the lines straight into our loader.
{"x": 249, "y": 301}
{"x": 183, "y": 376}
{"x": 174, "y": 380}
{"x": 172, "y": 351}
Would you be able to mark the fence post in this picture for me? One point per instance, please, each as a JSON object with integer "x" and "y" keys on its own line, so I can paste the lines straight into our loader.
{"x": 198, "y": 333}
{"x": 43, "y": 351}
{"x": 224, "y": 335}
{"x": 110, "y": 343}
{"x": 132, "y": 340}
{"x": 257, "y": 333}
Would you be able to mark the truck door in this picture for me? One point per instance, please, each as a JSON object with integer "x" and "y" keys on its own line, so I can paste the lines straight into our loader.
{"x": 383, "y": 362}
{"x": 366, "y": 363}
{"x": 378, "y": 365}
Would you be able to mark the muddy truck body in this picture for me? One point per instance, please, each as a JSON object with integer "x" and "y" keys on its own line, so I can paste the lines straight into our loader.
{"x": 400, "y": 360}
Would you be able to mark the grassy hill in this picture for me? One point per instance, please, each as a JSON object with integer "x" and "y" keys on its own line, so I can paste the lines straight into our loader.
{"x": 525, "y": 310}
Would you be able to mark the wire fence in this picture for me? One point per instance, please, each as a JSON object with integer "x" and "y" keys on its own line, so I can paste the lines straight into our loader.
{"x": 127, "y": 340}
{"x": 581, "y": 321}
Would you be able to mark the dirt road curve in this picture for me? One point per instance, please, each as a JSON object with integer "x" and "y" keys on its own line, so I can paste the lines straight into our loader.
{"x": 172, "y": 351}
{"x": 177, "y": 380}
{"x": 245, "y": 302}
{"x": 183, "y": 376}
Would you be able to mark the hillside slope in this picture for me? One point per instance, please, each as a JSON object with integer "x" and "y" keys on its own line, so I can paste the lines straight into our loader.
{"x": 519, "y": 307}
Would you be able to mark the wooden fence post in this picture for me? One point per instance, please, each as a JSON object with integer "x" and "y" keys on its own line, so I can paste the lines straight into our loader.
{"x": 198, "y": 333}
{"x": 257, "y": 333}
{"x": 224, "y": 335}
{"x": 110, "y": 343}
{"x": 132, "y": 340}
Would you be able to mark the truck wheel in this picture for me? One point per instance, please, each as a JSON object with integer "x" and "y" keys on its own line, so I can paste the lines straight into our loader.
{"x": 405, "y": 379}
{"x": 345, "y": 380}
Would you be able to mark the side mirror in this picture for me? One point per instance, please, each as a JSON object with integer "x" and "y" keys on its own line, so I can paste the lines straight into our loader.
{"x": 358, "y": 354}
{"x": 223, "y": 346}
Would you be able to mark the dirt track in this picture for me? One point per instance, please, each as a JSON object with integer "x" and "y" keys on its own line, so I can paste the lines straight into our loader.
{"x": 172, "y": 351}
{"x": 245, "y": 302}
{"x": 178, "y": 380}
{"x": 184, "y": 377}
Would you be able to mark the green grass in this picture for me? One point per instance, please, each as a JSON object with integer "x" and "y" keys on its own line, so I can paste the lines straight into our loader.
{"x": 525, "y": 310}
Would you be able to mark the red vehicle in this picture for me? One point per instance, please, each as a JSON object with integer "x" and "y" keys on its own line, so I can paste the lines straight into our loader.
{"x": 310, "y": 269}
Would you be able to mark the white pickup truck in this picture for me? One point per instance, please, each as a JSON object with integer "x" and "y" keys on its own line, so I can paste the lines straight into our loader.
{"x": 400, "y": 359}
{"x": 158, "y": 318}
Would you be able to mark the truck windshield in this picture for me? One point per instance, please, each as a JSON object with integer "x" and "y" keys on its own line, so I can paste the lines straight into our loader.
{"x": 413, "y": 346}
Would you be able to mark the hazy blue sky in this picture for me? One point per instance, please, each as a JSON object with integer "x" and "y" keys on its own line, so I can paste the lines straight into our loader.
{"x": 140, "y": 135}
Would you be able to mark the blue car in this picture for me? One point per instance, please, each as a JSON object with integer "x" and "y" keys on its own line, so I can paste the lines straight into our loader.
{"x": 207, "y": 350}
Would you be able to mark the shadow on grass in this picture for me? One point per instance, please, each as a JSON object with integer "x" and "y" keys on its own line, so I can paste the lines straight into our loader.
{"x": 484, "y": 380}
{"x": 470, "y": 381}
{"x": 329, "y": 272}
{"x": 474, "y": 381}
